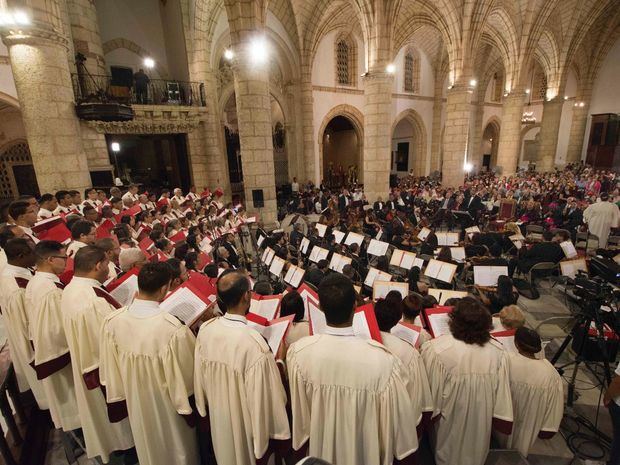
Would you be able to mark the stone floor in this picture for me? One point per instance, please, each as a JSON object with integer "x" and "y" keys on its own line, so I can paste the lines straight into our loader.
{"x": 551, "y": 304}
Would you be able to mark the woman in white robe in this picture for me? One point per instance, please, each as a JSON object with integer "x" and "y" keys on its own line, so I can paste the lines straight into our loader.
{"x": 147, "y": 359}
{"x": 84, "y": 306}
{"x": 469, "y": 380}
{"x": 537, "y": 395}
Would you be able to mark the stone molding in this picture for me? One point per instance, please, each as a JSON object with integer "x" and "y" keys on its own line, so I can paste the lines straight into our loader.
{"x": 154, "y": 119}
{"x": 34, "y": 35}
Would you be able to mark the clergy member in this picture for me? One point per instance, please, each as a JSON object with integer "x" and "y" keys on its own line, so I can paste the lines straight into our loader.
{"x": 236, "y": 380}
{"x": 349, "y": 396}
{"x": 468, "y": 376}
{"x": 85, "y": 305}
{"x": 601, "y": 217}
{"x": 537, "y": 394}
{"x": 13, "y": 282}
{"x": 147, "y": 359}
{"x": 52, "y": 361}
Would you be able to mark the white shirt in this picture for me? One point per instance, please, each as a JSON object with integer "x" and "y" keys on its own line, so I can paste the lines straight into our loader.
{"x": 30, "y": 234}
{"x": 144, "y": 308}
{"x": 345, "y": 332}
{"x": 295, "y": 187}
{"x": 44, "y": 213}
{"x": 129, "y": 196}
{"x": 74, "y": 247}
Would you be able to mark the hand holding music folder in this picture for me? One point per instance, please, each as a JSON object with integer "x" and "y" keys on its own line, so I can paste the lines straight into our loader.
{"x": 437, "y": 320}
{"x": 274, "y": 331}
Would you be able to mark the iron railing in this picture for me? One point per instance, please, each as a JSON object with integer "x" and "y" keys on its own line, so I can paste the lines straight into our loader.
{"x": 100, "y": 89}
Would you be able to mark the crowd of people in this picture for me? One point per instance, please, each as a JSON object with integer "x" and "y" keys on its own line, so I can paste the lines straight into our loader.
{"x": 136, "y": 378}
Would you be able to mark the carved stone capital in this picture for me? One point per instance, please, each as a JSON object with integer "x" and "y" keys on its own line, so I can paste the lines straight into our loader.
{"x": 32, "y": 35}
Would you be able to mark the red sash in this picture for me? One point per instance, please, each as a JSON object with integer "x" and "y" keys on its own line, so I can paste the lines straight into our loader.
{"x": 21, "y": 282}
{"x": 103, "y": 294}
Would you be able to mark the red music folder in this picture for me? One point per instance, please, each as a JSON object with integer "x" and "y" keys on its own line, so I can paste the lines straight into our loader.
{"x": 266, "y": 306}
{"x": 437, "y": 319}
{"x": 274, "y": 331}
{"x": 187, "y": 302}
{"x": 47, "y": 224}
{"x": 58, "y": 232}
{"x": 407, "y": 332}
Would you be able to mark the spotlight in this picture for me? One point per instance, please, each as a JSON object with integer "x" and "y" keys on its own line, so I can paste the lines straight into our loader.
{"x": 581, "y": 104}
{"x": 527, "y": 91}
{"x": 21, "y": 18}
{"x": 566, "y": 97}
{"x": 229, "y": 54}
{"x": 473, "y": 83}
{"x": 149, "y": 63}
{"x": 391, "y": 68}
{"x": 468, "y": 167}
{"x": 259, "y": 51}
{"x": 116, "y": 147}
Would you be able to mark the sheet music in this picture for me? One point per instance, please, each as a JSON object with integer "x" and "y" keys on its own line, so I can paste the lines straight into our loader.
{"x": 321, "y": 228}
{"x": 338, "y": 262}
{"x": 406, "y": 332}
{"x": 570, "y": 267}
{"x": 305, "y": 242}
{"x": 374, "y": 274}
{"x": 444, "y": 294}
{"x": 433, "y": 268}
{"x": 268, "y": 256}
{"x": 471, "y": 231}
{"x": 339, "y": 235}
{"x": 266, "y": 308}
{"x": 569, "y": 249}
{"x": 409, "y": 261}
{"x": 440, "y": 270}
{"x": 447, "y": 239}
{"x": 423, "y": 234}
{"x": 354, "y": 238}
{"x": 277, "y": 265}
{"x": 297, "y": 277}
{"x": 309, "y": 300}
{"x": 260, "y": 240}
{"x": 397, "y": 256}
{"x": 184, "y": 304}
{"x": 289, "y": 274}
{"x": 377, "y": 248}
{"x": 488, "y": 275}
{"x": 439, "y": 322}
{"x": 458, "y": 253}
{"x": 360, "y": 326}
{"x": 380, "y": 289}
{"x": 274, "y": 332}
{"x": 126, "y": 291}
{"x": 318, "y": 254}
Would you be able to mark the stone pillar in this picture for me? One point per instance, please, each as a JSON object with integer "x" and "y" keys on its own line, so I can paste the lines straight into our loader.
{"x": 456, "y": 136}
{"x": 509, "y": 148}
{"x": 43, "y": 83}
{"x": 307, "y": 108}
{"x": 378, "y": 86}
{"x": 436, "y": 142}
{"x": 578, "y": 126}
{"x": 255, "y": 133}
{"x": 473, "y": 149}
{"x": 85, "y": 32}
{"x": 549, "y": 129}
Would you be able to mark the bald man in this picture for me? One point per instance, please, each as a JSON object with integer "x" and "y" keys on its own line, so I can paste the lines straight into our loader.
{"x": 236, "y": 380}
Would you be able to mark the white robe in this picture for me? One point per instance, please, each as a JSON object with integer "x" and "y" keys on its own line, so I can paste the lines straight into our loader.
{"x": 470, "y": 387}
{"x": 50, "y": 347}
{"x": 74, "y": 247}
{"x": 13, "y": 306}
{"x": 537, "y": 402}
{"x": 147, "y": 359}
{"x": 601, "y": 217}
{"x": 350, "y": 400}
{"x": 83, "y": 315}
{"x": 236, "y": 381}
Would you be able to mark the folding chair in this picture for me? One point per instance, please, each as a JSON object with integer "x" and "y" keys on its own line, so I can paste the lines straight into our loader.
{"x": 549, "y": 267}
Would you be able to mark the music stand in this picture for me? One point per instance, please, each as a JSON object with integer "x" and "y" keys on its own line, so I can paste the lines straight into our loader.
{"x": 464, "y": 218}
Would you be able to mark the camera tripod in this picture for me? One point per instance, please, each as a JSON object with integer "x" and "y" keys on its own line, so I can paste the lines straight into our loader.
{"x": 583, "y": 324}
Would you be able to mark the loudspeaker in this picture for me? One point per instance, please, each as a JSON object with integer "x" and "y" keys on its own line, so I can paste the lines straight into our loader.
{"x": 257, "y": 198}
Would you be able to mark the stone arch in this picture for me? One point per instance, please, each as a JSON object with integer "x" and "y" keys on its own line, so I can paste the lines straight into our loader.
{"x": 524, "y": 131}
{"x": 420, "y": 145}
{"x": 13, "y": 153}
{"x": 121, "y": 42}
{"x": 356, "y": 118}
{"x": 494, "y": 126}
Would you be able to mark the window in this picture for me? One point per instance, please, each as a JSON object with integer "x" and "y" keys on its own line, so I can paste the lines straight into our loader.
{"x": 498, "y": 87}
{"x": 345, "y": 61}
{"x": 412, "y": 72}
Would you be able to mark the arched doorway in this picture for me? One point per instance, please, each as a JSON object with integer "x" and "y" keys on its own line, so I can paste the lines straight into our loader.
{"x": 341, "y": 145}
{"x": 530, "y": 142}
{"x": 489, "y": 145}
{"x": 409, "y": 146}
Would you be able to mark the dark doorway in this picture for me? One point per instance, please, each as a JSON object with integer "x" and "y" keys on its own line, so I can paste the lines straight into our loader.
{"x": 402, "y": 156}
{"x": 121, "y": 76}
{"x": 156, "y": 161}
{"x": 26, "y": 180}
{"x": 341, "y": 146}
{"x": 233, "y": 151}
{"x": 486, "y": 161}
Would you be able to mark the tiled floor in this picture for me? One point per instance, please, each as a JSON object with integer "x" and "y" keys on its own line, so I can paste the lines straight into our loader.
{"x": 552, "y": 303}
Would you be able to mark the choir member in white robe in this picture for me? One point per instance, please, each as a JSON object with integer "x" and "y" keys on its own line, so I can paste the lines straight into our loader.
{"x": 537, "y": 394}
{"x": 24, "y": 214}
{"x": 601, "y": 217}
{"x": 236, "y": 380}
{"x": 469, "y": 380}
{"x": 52, "y": 361}
{"x": 412, "y": 306}
{"x": 85, "y": 304}
{"x": 147, "y": 359}
{"x": 13, "y": 282}
{"x": 83, "y": 233}
{"x": 293, "y": 304}
{"x": 349, "y": 396}
{"x": 388, "y": 315}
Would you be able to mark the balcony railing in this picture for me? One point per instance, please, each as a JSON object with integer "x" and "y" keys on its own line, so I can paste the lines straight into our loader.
{"x": 101, "y": 89}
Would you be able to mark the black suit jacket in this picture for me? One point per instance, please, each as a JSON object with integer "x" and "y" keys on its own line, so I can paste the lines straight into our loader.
{"x": 233, "y": 257}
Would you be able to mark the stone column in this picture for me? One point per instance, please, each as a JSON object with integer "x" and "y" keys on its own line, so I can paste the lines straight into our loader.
{"x": 85, "y": 32}
{"x": 549, "y": 129}
{"x": 255, "y": 134}
{"x": 436, "y": 142}
{"x": 307, "y": 108}
{"x": 43, "y": 83}
{"x": 509, "y": 148}
{"x": 378, "y": 86}
{"x": 456, "y": 136}
{"x": 578, "y": 126}
{"x": 473, "y": 149}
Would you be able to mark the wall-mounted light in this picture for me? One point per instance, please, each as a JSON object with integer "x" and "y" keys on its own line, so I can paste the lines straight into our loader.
{"x": 391, "y": 68}
{"x": 259, "y": 50}
{"x": 116, "y": 147}
{"x": 229, "y": 54}
{"x": 149, "y": 63}
{"x": 468, "y": 167}
{"x": 473, "y": 82}
{"x": 527, "y": 91}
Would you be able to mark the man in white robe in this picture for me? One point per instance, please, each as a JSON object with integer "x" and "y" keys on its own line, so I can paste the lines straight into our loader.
{"x": 147, "y": 359}
{"x": 83, "y": 233}
{"x": 601, "y": 217}
{"x": 52, "y": 361}
{"x": 349, "y": 396}
{"x": 25, "y": 216}
{"x": 85, "y": 304}
{"x": 237, "y": 382}
{"x": 469, "y": 380}
{"x": 537, "y": 394}
{"x": 13, "y": 282}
